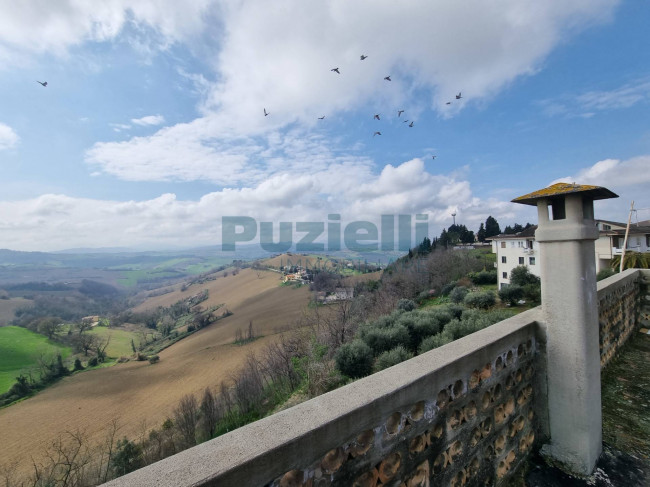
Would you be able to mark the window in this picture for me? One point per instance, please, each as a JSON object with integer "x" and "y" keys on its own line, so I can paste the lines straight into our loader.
{"x": 521, "y": 261}
{"x": 503, "y": 245}
{"x": 503, "y": 259}
{"x": 647, "y": 240}
{"x": 607, "y": 227}
{"x": 531, "y": 260}
{"x": 520, "y": 243}
{"x": 530, "y": 244}
{"x": 505, "y": 275}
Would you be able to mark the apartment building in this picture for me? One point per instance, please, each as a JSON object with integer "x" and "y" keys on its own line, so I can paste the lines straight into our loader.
{"x": 521, "y": 248}
{"x": 513, "y": 251}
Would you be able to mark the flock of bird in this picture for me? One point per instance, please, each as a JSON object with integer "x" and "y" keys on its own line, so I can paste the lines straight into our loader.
{"x": 377, "y": 116}
{"x": 337, "y": 71}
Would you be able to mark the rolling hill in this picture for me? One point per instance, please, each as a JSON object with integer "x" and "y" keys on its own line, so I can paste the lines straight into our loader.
{"x": 138, "y": 393}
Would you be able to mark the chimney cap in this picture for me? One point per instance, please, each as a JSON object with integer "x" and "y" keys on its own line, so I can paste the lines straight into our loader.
{"x": 559, "y": 190}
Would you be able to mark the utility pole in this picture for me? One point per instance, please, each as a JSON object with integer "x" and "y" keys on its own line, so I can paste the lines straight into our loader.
{"x": 627, "y": 231}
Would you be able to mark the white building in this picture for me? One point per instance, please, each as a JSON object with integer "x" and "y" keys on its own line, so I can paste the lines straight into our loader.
{"x": 521, "y": 248}
{"x": 515, "y": 250}
{"x": 612, "y": 236}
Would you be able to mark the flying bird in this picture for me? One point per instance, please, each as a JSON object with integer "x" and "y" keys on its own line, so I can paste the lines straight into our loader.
{"x": 363, "y": 56}
{"x": 266, "y": 114}
{"x": 405, "y": 121}
{"x": 458, "y": 96}
{"x": 433, "y": 157}
{"x": 399, "y": 113}
{"x": 376, "y": 117}
{"x": 387, "y": 78}
{"x": 336, "y": 70}
{"x": 411, "y": 124}
{"x": 448, "y": 103}
{"x": 44, "y": 83}
{"x": 376, "y": 133}
{"x": 321, "y": 118}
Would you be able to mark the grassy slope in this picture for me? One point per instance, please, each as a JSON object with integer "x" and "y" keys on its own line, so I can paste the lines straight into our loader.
{"x": 20, "y": 349}
{"x": 138, "y": 391}
{"x": 120, "y": 344}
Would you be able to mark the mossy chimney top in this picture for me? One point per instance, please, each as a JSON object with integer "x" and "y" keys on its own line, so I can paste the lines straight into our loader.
{"x": 560, "y": 190}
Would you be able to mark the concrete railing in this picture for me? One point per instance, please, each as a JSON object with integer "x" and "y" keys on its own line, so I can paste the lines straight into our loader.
{"x": 621, "y": 302}
{"x": 472, "y": 409}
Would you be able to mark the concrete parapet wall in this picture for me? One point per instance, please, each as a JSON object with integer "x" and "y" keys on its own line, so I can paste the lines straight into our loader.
{"x": 462, "y": 414}
{"x": 620, "y": 300}
{"x": 468, "y": 413}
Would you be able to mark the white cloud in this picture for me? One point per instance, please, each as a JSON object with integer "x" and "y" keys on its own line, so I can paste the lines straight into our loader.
{"x": 54, "y": 27}
{"x": 586, "y": 105}
{"x": 269, "y": 59}
{"x": 149, "y": 120}
{"x": 8, "y": 138}
{"x": 629, "y": 178}
{"x": 52, "y": 221}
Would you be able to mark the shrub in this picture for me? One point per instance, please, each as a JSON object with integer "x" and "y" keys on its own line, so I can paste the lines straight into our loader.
{"x": 392, "y": 357}
{"x": 434, "y": 341}
{"x": 382, "y": 339}
{"x": 521, "y": 276}
{"x": 511, "y": 294}
{"x": 406, "y": 305}
{"x": 154, "y": 359}
{"x": 93, "y": 362}
{"x": 354, "y": 359}
{"x": 447, "y": 288}
{"x": 457, "y": 295}
{"x": 533, "y": 293}
{"x": 604, "y": 274}
{"x": 483, "y": 277}
{"x": 455, "y": 310}
{"x": 482, "y": 300}
{"x": 140, "y": 357}
{"x": 77, "y": 364}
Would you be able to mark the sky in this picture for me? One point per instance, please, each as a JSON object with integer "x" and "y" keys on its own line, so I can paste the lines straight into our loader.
{"x": 151, "y": 127}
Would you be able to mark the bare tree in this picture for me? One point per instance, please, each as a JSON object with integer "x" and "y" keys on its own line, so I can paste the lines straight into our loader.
{"x": 106, "y": 451}
{"x": 49, "y": 326}
{"x": 84, "y": 342}
{"x": 100, "y": 345}
{"x": 66, "y": 462}
{"x": 8, "y": 474}
{"x": 210, "y": 413}
{"x": 186, "y": 417}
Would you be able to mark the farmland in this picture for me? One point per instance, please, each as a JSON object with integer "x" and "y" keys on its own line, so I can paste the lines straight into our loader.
{"x": 20, "y": 350}
{"x": 139, "y": 393}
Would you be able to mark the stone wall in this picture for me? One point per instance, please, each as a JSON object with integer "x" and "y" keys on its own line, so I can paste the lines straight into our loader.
{"x": 475, "y": 430}
{"x": 467, "y": 413}
{"x": 620, "y": 299}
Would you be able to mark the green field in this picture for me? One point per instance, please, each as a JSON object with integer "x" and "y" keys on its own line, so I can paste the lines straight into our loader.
{"x": 120, "y": 344}
{"x": 172, "y": 268}
{"x": 20, "y": 350}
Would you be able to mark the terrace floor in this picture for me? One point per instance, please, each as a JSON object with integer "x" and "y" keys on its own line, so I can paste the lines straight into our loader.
{"x": 626, "y": 427}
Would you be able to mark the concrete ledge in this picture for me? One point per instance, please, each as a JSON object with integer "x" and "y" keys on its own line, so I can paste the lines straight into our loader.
{"x": 260, "y": 452}
{"x": 617, "y": 280}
